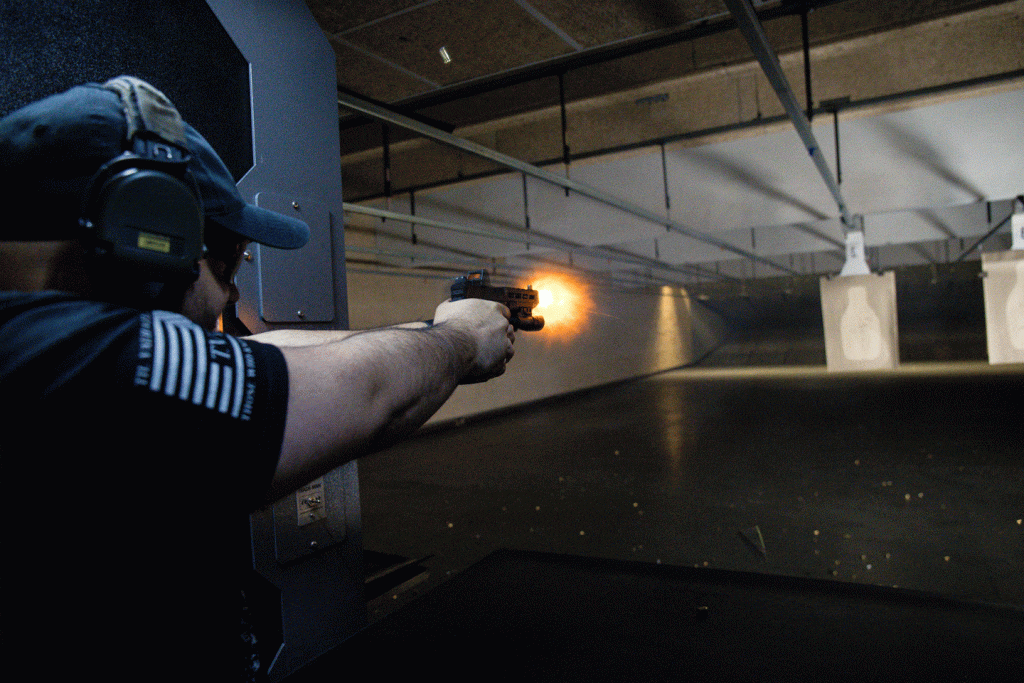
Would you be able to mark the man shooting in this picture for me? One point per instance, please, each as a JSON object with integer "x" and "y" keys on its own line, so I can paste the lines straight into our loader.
{"x": 137, "y": 439}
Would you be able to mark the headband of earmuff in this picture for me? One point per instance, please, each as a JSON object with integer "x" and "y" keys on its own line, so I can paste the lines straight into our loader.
{"x": 142, "y": 208}
{"x": 142, "y": 205}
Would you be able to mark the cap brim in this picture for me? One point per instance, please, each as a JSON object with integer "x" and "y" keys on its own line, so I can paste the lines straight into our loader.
{"x": 265, "y": 227}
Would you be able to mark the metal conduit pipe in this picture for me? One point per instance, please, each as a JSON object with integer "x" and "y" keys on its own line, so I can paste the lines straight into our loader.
{"x": 508, "y": 272}
{"x": 369, "y": 109}
{"x": 606, "y": 282}
{"x": 410, "y": 255}
{"x": 530, "y": 237}
{"x": 750, "y": 27}
{"x": 477, "y": 261}
{"x": 482, "y": 262}
{"x": 601, "y": 278}
{"x": 538, "y": 238}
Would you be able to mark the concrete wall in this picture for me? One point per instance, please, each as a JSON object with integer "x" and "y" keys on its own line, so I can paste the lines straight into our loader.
{"x": 622, "y": 334}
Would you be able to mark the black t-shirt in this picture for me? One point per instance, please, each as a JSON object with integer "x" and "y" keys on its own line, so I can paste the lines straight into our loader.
{"x": 134, "y": 445}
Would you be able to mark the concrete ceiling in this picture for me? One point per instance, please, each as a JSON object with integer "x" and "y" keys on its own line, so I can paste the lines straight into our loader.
{"x": 662, "y": 104}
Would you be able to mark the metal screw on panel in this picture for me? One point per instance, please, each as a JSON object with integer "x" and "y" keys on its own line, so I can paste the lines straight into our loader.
{"x": 300, "y": 314}
{"x": 247, "y": 255}
{"x": 295, "y": 205}
{"x": 313, "y": 545}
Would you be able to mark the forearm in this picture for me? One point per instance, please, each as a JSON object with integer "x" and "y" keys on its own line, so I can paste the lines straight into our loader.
{"x": 283, "y": 338}
{"x": 405, "y": 375}
{"x": 363, "y": 391}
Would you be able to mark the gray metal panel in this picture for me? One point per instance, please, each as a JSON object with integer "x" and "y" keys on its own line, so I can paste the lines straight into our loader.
{"x": 295, "y": 137}
{"x": 295, "y": 152}
{"x": 297, "y": 287}
{"x": 322, "y": 590}
{"x": 310, "y": 520}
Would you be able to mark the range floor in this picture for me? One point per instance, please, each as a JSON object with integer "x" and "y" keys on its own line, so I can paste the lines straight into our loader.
{"x": 911, "y": 478}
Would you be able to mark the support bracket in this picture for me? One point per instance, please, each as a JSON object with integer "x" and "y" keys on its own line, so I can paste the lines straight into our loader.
{"x": 856, "y": 260}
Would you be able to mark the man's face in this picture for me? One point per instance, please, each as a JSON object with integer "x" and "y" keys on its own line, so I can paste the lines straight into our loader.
{"x": 215, "y": 287}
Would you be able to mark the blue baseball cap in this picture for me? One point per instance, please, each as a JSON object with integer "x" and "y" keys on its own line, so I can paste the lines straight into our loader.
{"x": 51, "y": 149}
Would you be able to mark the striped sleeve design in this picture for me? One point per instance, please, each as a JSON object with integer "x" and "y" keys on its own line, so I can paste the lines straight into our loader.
{"x": 180, "y": 359}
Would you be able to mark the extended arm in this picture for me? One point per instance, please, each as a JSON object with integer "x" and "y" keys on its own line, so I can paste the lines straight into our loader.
{"x": 359, "y": 391}
{"x": 281, "y": 338}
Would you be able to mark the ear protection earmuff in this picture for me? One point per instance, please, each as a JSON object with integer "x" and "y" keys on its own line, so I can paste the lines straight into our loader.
{"x": 143, "y": 211}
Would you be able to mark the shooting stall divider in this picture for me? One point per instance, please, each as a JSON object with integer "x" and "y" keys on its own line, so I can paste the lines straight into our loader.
{"x": 307, "y": 583}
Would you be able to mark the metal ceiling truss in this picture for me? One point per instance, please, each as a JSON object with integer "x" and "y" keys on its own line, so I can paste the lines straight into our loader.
{"x": 993, "y": 230}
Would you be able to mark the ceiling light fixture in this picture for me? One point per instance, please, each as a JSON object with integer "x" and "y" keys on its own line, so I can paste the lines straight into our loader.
{"x": 445, "y": 56}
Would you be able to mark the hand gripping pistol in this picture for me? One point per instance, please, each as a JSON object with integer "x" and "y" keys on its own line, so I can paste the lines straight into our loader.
{"x": 520, "y": 301}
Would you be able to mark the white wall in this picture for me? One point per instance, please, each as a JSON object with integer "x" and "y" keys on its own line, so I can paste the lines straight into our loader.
{"x": 626, "y": 334}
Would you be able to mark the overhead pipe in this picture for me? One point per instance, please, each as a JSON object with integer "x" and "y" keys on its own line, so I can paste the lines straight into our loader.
{"x": 534, "y": 237}
{"x": 452, "y": 267}
{"x": 366, "y": 108}
{"x": 476, "y": 262}
{"x": 428, "y": 251}
{"x": 604, "y": 281}
{"x": 750, "y": 27}
{"x": 503, "y": 271}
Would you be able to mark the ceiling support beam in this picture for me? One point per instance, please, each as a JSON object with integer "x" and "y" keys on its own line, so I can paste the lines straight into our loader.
{"x": 750, "y": 27}
{"x": 366, "y": 108}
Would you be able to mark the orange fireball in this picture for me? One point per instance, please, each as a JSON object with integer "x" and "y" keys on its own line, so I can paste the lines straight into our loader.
{"x": 564, "y": 303}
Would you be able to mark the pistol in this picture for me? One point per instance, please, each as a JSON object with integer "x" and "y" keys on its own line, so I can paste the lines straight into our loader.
{"x": 520, "y": 301}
